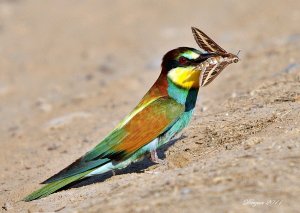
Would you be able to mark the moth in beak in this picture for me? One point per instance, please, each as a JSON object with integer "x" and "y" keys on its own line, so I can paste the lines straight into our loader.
{"x": 214, "y": 58}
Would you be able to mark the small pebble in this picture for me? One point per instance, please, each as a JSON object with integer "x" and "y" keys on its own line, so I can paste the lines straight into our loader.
{"x": 203, "y": 108}
{"x": 7, "y": 206}
{"x": 53, "y": 147}
{"x": 4, "y": 90}
{"x": 43, "y": 105}
{"x": 185, "y": 191}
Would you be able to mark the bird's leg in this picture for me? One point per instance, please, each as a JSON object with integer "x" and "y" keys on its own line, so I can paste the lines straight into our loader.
{"x": 113, "y": 172}
{"x": 154, "y": 158}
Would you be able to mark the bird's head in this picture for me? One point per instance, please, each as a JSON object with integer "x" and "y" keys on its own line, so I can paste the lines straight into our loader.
{"x": 190, "y": 68}
{"x": 182, "y": 66}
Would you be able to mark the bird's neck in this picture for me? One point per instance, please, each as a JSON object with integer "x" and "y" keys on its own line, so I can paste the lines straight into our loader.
{"x": 165, "y": 87}
{"x": 158, "y": 89}
{"x": 185, "y": 96}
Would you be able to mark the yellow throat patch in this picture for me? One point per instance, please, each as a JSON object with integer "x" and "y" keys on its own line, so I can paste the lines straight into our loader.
{"x": 185, "y": 77}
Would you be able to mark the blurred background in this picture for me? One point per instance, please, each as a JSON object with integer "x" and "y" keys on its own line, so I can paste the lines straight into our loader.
{"x": 70, "y": 70}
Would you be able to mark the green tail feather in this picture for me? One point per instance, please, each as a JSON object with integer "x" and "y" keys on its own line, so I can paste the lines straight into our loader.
{"x": 53, "y": 187}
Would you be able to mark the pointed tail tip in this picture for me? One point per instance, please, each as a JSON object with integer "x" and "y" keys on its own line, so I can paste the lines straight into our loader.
{"x": 29, "y": 198}
{"x": 47, "y": 190}
{"x": 33, "y": 196}
{"x": 40, "y": 193}
{"x": 53, "y": 187}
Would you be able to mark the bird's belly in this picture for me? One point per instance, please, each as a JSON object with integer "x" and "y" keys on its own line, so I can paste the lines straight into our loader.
{"x": 151, "y": 146}
{"x": 177, "y": 127}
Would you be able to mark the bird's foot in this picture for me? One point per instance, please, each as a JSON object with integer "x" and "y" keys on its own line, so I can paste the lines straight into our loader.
{"x": 154, "y": 158}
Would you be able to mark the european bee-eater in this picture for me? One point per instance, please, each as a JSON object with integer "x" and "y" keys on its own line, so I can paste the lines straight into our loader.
{"x": 163, "y": 112}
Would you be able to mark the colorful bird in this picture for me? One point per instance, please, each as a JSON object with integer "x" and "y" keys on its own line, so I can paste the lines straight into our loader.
{"x": 163, "y": 112}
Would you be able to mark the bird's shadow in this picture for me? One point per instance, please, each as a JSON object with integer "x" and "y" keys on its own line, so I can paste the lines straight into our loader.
{"x": 138, "y": 167}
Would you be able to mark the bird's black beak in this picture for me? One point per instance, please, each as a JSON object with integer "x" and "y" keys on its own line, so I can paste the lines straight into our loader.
{"x": 203, "y": 57}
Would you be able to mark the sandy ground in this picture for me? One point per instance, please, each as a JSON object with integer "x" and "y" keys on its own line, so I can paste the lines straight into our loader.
{"x": 70, "y": 70}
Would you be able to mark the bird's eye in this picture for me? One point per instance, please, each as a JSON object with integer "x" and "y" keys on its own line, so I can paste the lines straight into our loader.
{"x": 182, "y": 60}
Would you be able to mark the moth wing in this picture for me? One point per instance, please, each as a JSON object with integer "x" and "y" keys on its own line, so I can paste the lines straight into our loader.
{"x": 205, "y": 42}
{"x": 211, "y": 72}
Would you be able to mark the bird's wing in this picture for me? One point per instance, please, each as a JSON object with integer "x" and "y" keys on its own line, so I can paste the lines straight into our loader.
{"x": 145, "y": 124}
